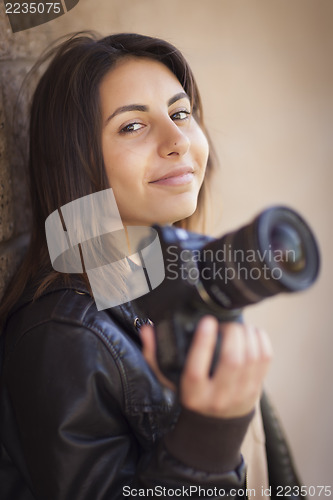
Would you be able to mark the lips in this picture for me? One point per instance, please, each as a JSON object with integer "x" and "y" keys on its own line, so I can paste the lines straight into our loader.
{"x": 177, "y": 176}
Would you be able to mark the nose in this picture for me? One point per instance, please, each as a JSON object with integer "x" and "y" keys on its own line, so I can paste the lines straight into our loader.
{"x": 173, "y": 141}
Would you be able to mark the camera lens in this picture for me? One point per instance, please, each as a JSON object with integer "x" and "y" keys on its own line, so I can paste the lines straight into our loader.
{"x": 288, "y": 248}
{"x": 276, "y": 252}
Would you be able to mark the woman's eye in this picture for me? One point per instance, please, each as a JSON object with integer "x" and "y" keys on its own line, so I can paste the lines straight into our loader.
{"x": 181, "y": 115}
{"x": 131, "y": 127}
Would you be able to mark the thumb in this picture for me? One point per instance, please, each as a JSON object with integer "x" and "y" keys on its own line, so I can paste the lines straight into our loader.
{"x": 147, "y": 335}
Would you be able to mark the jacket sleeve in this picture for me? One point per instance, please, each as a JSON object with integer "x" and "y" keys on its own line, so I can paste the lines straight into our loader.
{"x": 67, "y": 398}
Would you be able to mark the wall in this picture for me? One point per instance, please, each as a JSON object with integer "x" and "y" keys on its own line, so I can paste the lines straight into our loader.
{"x": 265, "y": 72}
{"x": 17, "y": 54}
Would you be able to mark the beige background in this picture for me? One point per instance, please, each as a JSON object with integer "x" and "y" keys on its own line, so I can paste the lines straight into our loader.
{"x": 265, "y": 69}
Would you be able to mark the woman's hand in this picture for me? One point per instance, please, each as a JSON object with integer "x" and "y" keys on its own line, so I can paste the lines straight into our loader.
{"x": 236, "y": 383}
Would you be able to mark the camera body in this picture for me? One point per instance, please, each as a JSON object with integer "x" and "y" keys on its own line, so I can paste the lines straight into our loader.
{"x": 276, "y": 252}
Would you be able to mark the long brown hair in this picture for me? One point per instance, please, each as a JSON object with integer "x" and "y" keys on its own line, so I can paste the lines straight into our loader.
{"x": 65, "y": 153}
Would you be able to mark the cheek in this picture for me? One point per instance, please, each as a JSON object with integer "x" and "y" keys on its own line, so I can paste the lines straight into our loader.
{"x": 119, "y": 165}
{"x": 200, "y": 148}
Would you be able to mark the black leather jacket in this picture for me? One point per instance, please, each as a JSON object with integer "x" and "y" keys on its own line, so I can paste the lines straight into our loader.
{"x": 84, "y": 418}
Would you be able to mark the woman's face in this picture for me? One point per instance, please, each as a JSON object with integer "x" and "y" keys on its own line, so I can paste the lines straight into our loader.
{"x": 154, "y": 151}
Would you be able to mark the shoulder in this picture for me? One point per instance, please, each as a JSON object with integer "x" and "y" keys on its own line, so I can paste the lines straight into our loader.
{"x": 63, "y": 331}
{"x": 70, "y": 310}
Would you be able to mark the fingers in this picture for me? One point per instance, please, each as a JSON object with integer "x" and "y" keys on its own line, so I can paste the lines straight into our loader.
{"x": 245, "y": 347}
{"x": 244, "y": 362}
{"x": 200, "y": 355}
{"x": 236, "y": 383}
{"x": 194, "y": 378}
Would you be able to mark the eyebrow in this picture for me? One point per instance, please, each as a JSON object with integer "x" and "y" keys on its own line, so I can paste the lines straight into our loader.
{"x": 143, "y": 108}
{"x": 177, "y": 97}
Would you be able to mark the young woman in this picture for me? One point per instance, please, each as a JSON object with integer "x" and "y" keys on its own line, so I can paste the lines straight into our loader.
{"x": 85, "y": 411}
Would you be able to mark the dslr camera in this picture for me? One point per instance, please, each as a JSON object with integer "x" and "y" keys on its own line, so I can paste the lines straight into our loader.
{"x": 276, "y": 252}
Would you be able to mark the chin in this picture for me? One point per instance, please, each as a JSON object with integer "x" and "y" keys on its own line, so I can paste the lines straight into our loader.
{"x": 182, "y": 214}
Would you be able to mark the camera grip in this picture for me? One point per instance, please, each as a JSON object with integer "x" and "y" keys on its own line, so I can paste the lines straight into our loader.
{"x": 174, "y": 336}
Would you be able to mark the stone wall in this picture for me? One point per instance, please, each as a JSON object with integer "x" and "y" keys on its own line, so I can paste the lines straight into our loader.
{"x": 18, "y": 52}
